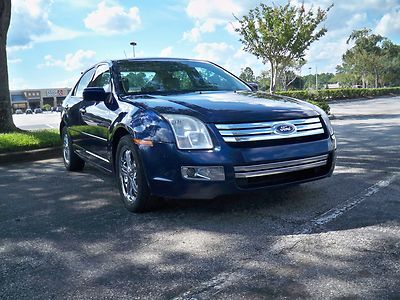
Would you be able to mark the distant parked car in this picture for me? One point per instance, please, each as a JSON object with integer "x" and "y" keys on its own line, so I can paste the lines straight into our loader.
{"x": 38, "y": 111}
{"x": 53, "y": 109}
{"x": 18, "y": 112}
{"x": 29, "y": 111}
{"x": 59, "y": 109}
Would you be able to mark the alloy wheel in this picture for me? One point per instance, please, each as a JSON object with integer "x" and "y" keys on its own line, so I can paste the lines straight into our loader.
{"x": 128, "y": 175}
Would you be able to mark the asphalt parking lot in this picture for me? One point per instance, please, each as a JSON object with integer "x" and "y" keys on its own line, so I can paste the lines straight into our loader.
{"x": 45, "y": 120}
{"x": 66, "y": 235}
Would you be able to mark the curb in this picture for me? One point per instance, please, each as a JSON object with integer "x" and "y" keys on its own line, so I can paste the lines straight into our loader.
{"x": 31, "y": 155}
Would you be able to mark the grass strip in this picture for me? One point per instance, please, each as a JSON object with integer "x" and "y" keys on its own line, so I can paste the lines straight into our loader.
{"x": 29, "y": 140}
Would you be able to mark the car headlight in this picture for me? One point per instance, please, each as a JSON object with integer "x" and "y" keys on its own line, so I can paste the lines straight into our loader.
{"x": 325, "y": 118}
{"x": 190, "y": 133}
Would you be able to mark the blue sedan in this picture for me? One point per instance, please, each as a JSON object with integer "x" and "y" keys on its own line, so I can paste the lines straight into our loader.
{"x": 179, "y": 128}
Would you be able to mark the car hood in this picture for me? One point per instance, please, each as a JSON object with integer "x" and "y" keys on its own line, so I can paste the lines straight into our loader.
{"x": 227, "y": 107}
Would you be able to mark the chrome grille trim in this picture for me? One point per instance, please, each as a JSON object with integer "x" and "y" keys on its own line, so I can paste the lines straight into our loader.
{"x": 280, "y": 167}
{"x": 262, "y": 131}
{"x": 267, "y": 124}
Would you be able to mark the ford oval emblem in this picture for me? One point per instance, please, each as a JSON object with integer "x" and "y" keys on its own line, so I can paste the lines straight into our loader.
{"x": 284, "y": 129}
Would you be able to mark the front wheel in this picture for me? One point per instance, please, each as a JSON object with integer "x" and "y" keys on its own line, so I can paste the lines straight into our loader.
{"x": 72, "y": 161}
{"x": 135, "y": 193}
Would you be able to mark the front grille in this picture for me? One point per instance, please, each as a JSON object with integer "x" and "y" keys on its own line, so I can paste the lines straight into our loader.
{"x": 282, "y": 172}
{"x": 264, "y": 131}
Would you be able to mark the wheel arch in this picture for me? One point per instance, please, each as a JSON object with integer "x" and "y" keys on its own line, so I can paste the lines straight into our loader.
{"x": 116, "y": 137}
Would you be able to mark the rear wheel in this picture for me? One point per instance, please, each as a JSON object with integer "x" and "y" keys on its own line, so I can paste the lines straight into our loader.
{"x": 72, "y": 161}
{"x": 132, "y": 184}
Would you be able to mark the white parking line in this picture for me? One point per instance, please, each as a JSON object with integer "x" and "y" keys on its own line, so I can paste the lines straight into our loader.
{"x": 208, "y": 289}
{"x": 48, "y": 125}
{"x": 344, "y": 207}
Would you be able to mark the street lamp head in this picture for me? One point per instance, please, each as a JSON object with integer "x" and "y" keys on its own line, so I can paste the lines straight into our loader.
{"x": 133, "y": 44}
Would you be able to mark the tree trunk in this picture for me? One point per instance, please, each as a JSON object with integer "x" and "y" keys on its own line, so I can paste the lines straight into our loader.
{"x": 6, "y": 121}
{"x": 273, "y": 78}
{"x": 364, "y": 85}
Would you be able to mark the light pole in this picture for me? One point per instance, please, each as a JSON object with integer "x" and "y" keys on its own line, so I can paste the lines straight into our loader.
{"x": 310, "y": 86}
{"x": 133, "y": 44}
{"x": 316, "y": 78}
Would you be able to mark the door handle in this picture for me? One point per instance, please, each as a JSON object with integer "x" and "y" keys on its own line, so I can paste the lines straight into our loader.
{"x": 82, "y": 110}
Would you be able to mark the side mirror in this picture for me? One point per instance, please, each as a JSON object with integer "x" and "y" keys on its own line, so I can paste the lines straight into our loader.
{"x": 253, "y": 86}
{"x": 97, "y": 94}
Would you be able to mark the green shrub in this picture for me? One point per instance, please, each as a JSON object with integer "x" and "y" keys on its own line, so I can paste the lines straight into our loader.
{"x": 320, "y": 97}
{"x": 322, "y": 104}
{"x": 338, "y": 94}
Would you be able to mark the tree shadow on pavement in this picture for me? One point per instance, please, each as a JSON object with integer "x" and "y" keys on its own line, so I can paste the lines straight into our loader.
{"x": 67, "y": 235}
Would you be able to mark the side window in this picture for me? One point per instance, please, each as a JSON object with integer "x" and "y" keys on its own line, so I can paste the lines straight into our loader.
{"x": 101, "y": 78}
{"x": 211, "y": 78}
{"x": 134, "y": 82}
{"x": 83, "y": 83}
{"x": 184, "y": 80}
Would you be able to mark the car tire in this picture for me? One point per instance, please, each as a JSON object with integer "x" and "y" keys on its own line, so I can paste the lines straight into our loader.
{"x": 132, "y": 184}
{"x": 72, "y": 161}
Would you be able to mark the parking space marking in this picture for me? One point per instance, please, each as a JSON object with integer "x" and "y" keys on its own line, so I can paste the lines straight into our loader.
{"x": 215, "y": 285}
{"x": 344, "y": 207}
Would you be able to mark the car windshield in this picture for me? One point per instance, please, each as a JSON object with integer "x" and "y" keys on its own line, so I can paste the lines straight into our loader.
{"x": 168, "y": 77}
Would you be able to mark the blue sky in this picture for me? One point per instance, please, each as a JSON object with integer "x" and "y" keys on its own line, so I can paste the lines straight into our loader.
{"x": 51, "y": 41}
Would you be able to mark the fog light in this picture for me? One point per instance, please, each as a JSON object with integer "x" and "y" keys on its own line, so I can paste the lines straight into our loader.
{"x": 216, "y": 173}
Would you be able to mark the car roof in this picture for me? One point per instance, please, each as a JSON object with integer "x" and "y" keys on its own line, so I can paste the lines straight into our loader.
{"x": 112, "y": 61}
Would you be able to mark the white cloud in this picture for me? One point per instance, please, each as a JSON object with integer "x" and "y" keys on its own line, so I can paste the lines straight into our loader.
{"x": 389, "y": 24}
{"x": 72, "y": 61}
{"x": 30, "y": 24}
{"x": 17, "y": 83}
{"x": 67, "y": 83}
{"x": 231, "y": 26}
{"x": 29, "y": 18}
{"x": 14, "y": 61}
{"x": 193, "y": 35}
{"x": 206, "y": 9}
{"x": 208, "y": 15}
{"x": 212, "y": 51}
{"x": 356, "y": 5}
{"x": 356, "y": 19}
{"x": 166, "y": 52}
{"x": 113, "y": 19}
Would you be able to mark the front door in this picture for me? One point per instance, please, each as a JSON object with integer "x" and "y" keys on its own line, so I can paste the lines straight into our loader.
{"x": 96, "y": 119}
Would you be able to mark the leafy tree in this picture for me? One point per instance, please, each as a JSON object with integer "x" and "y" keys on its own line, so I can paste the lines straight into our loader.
{"x": 247, "y": 75}
{"x": 346, "y": 76}
{"x": 280, "y": 35}
{"x": 391, "y": 64}
{"x": 6, "y": 121}
{"x": 47, "y": 107}
{"x": 263, "y": 81}
{"x": 365, "y": 57}
{"x": 288, "y": 73}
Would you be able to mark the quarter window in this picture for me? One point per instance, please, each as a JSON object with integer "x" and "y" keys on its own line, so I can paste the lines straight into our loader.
{"x": 101, "y": 78}
{"x": 83, "y": 83}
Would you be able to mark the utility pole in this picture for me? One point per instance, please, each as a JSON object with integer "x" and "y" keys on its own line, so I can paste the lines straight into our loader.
{"x": 133, "y": 44}
{"x": 316, "y": 78}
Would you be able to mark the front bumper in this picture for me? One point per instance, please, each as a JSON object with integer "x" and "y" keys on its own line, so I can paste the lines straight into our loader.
{"x": 163, "y": 163}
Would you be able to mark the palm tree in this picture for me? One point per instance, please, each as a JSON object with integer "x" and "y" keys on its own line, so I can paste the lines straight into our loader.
{"x": 6, "y": 121}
